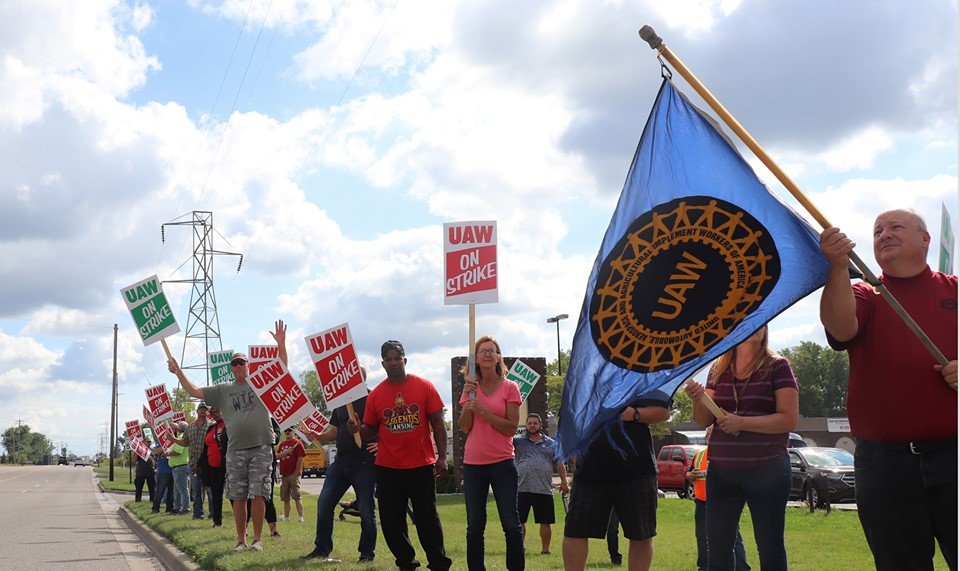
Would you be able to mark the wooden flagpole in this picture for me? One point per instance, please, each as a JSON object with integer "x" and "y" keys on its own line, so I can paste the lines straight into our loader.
{"x": 648, "y": 35}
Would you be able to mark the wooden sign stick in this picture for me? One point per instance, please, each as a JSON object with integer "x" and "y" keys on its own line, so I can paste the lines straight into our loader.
{"x": 353, "y": 417}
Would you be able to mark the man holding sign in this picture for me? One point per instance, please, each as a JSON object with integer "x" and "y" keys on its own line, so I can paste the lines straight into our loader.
{"x": 250, "y": 454}
{"x": 353, "y": 466}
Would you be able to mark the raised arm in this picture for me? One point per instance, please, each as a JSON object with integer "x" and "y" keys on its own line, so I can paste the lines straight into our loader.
{"x": 838, "y": 307}
{"x": 279, "y": 334}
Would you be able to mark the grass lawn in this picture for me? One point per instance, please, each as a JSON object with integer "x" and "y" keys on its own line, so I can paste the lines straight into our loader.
{"x": 121, "y": 478}
{"x": 814, "y": 541}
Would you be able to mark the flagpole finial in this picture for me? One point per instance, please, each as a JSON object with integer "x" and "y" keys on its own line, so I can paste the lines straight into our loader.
{"x": 650, "y": 36}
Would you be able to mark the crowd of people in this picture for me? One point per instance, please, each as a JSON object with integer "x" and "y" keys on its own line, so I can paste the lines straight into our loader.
{"x": 394, "y": 446}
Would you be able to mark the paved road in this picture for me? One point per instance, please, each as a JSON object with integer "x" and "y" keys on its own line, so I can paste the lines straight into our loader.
{"x": 54, "y": 517}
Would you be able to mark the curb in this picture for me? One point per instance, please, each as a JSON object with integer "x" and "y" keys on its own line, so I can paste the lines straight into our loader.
{"x": 106, "y": 491}
{"x": 168, "y": 553}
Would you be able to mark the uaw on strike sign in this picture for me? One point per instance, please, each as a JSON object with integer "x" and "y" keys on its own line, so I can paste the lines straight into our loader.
{"x": 337, "y": 366}
{"x": 159, "y": 401}
{"x": 470, "y": 262}
{"x": 281, "y": 394}
{"x": 150, "y": 309}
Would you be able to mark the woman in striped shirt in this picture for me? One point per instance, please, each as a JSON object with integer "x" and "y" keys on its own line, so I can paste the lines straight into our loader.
{"x": 749, "y": 464}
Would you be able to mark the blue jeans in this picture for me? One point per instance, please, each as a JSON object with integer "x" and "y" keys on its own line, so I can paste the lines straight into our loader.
{"x": 340, "y": 477}
{"x": 905, "y": 501}
{"x": 765, "y": 489}
{"x": 700, "y": 522}
{"x": 181, "y": 498}
{"x": 477, "y": 480}
{"x": 196, "y": 494}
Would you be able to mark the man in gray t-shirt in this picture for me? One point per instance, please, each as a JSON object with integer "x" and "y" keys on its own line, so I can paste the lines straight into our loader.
{"x": 536, "y": 457}
{"x": 249, "y": 436}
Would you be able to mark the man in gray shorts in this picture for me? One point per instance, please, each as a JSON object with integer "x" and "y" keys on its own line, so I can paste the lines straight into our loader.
{"x": 250, "y": 437}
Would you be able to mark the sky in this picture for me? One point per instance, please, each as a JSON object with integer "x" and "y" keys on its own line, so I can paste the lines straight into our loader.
{"x": 331, "y": 141}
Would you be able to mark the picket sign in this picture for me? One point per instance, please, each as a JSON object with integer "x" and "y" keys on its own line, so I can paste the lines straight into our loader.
{"x": 159, "y": 400}
{"x": 219, "y": 365}
{"x": 525, "y": 377}
{"x": 276, "y": 388}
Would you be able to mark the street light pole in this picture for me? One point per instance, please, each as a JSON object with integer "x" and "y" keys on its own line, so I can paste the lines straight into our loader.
{"x": 556, "y": 319}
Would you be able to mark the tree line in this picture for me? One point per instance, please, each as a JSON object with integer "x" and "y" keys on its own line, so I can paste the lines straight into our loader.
{"x": 821, "y": 372}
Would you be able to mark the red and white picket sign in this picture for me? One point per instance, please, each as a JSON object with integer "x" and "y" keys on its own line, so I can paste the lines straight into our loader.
{"x": 134, "y": 430}
{"x": 179, "y": 416}
{"x": 148, "y": 417}
{"x": 337, "y": 366}
{"x": 140, "y": 449}
{"x": 260, "y": 355}
{"x": 164, "y": 436}
{"x": 470, "y": 262}
{"x": 159, "y": 401}
{"x": 281, "y": 394}
{"x": 317, "y": 421}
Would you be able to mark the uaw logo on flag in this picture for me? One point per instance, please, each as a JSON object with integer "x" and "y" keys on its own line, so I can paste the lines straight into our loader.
{"x": 698, "y": 256}
{"x": 666, "y": 253}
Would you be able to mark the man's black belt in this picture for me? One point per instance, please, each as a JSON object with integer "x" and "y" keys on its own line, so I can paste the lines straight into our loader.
{"x": 915, "y": 447}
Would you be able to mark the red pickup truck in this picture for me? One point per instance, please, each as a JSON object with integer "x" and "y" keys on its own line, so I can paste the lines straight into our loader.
{"x": 672, "y": 464}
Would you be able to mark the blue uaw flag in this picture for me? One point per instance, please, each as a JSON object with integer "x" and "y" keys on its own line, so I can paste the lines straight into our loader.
{"x": 698, "y": 256}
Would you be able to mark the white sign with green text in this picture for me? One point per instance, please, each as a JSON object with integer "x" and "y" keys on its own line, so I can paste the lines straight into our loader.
{"x": 525, "y": 377}
{"x": 150, "y": 309}
{"x": 220, "y": 371}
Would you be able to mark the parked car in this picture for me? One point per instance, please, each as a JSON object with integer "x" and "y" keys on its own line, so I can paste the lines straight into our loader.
{"x": 826, "y": 473}
{"x": 796, "y": 441}
{"x": 672, "y": 464}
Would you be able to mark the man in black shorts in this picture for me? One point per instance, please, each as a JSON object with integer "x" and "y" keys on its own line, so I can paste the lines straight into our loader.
{"x": 536, "y": 456}
{"x": 623, "y": 481}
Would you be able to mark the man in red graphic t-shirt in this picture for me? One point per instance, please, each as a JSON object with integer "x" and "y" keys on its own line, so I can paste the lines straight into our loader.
{"x": 403, "y": 411}
{"x": 902, "y": 404}
{"x": 290, "y": 453}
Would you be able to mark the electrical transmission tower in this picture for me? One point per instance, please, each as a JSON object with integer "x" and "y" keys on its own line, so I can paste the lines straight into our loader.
{"x": 202, "y": 333}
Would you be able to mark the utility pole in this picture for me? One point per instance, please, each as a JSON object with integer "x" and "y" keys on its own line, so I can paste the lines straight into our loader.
{"x": 113, "y": 403}
{"x": 16, "y": 441}
{"x": 203, "y": 321}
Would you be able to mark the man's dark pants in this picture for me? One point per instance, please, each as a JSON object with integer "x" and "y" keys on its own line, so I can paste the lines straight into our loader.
{"x": 416, "y": 485}
{"x": 138, "y": 482}
{"x": 197, "y": 490}
{"x": 164, "y": 483}
{"x": 906, "y": 500}
{"x": 338, "y": 479}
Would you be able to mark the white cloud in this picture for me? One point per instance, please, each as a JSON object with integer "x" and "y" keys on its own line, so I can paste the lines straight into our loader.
{"x": 858, "y": 151}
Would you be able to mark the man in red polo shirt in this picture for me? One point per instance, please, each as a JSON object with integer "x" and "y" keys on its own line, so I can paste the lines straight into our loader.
{"x": 902, "y": 404}
{"x": 290, "y": 452}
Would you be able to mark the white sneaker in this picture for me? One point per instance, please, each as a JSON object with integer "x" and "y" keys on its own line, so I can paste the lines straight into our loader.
{"x": 257, "y": 546}
{"x": 301, "y": 519}
{"x": 284, "y": 518}
{"x": 240, "y": 547}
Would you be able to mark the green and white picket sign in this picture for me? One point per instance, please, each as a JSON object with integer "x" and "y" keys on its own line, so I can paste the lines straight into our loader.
{"x": 220, "y": 371}
{"x": 150, "y": 309}
{"x": 525, "y": 377}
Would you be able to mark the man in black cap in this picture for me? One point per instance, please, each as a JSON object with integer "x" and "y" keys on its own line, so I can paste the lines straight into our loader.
{"x": 193, "y": 439}
{"x": 402, "y": 412}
